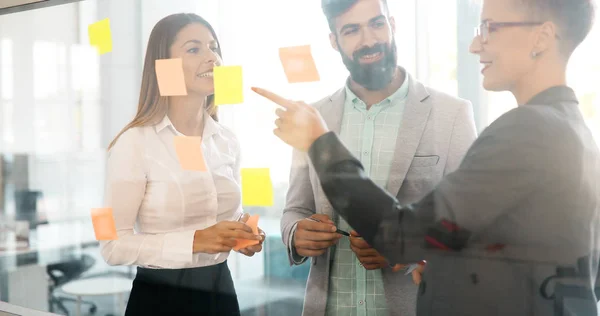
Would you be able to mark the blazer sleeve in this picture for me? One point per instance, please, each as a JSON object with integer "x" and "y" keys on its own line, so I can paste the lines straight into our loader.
{"x": 299, "y": 204}
{"x": 501, "y": 169}
{"x": 463, "y": 135}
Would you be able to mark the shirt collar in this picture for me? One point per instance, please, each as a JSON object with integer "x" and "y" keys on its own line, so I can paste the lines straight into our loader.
{"x": 211, "y": 127}
{"x": 554, "y": 95}
{"x": 399, "y": 94}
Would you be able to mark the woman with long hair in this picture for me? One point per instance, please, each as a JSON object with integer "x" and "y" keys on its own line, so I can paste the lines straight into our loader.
{"x": 515, "y": 229}
{"x": 178, "y": 226}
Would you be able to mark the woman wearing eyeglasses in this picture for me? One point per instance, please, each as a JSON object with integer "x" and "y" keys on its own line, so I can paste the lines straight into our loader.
{"x": 516, "y": 229}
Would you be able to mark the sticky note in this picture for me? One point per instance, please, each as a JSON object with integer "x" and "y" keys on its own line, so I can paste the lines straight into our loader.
{"x": 243, "y": 243}
{"x": 104, "y": 224}
{"x": 100, "y": 36}
{"x": 257, "y": 189}
{"x": 189, "y": 153}
{"x": 298, "y": 64}
{"x": 169, "y": 73}
{"x": 228, "y": 85}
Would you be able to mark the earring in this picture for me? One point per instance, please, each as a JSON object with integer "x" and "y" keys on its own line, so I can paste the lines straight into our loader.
{"x": 534, "y": 55}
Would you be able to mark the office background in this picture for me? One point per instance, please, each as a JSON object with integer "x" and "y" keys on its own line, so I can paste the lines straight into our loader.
{"x": 61, "y": 104}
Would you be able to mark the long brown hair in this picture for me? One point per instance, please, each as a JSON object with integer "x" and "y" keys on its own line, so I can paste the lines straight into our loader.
{"x": 152, "y": 105}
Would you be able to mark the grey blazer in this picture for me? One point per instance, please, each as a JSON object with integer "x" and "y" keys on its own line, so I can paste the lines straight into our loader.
{"x": 513, "y": 231}
{"x": 436, "y": 132}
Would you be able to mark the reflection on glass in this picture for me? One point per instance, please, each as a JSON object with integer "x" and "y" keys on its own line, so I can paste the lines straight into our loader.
{"x": 45, "y": 68}
{"x": 85, "y": 71}
{"x": 6, "y": 68}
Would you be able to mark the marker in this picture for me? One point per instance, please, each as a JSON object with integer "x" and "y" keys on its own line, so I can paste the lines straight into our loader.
{"x": 339, "y": 231}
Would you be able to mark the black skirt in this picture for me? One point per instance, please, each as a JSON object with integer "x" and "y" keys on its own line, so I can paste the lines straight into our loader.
{"x": 194, "y": 291}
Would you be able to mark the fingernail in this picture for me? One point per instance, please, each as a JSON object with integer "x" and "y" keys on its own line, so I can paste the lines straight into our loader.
{"x": 333, "y": 228}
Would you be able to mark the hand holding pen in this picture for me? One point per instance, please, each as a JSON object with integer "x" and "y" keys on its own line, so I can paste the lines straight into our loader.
{"x": 339, "y": 231}
{"x": 314, "y": 235}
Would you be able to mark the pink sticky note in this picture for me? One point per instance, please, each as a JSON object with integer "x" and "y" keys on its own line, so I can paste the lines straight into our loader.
{"x": 298, "y": 64}
{"x": 169, "y": 73}
{"x": 104, "y": 223}
{"x": 243, "y": 243}
{"x": 189, "y": 153}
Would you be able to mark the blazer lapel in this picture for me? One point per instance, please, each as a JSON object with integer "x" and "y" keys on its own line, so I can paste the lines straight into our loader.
{"x": 332, "y": 113}
{"x": 414, "y": 120}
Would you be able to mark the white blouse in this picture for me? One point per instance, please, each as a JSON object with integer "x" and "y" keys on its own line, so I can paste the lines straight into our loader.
{"x": 158, "y": 206}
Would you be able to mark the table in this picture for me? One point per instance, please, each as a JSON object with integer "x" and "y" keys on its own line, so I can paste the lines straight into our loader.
{"x": 99, "y": 286}
{"x": 51, "y": 236}
{"x": 46, "y": 243}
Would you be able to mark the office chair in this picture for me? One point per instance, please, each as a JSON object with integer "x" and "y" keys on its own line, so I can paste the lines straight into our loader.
{"x": 66, "y": 271}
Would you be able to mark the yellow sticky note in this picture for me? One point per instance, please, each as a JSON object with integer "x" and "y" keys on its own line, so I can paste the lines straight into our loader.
{"x": 104, "y": 223}
{"x": 243, "y": 243}
{"x": 298, "y": 64}
{"x": 169, "y": 73}
{"x": 228, "y": 85}
{"x": 189, "y": 153}
{"x": 257, "y": 189}
{"x": 100, "y": 36}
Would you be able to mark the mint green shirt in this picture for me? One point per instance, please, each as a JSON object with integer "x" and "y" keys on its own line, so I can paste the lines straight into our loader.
{"x": 371, "y": 137}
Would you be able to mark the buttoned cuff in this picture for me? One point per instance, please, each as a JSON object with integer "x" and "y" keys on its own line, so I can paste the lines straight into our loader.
{"x": 295, "y": 258}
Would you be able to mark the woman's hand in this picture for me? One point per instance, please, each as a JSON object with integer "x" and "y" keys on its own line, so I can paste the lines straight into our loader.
{"x": 222, "y": 236}
{"x": 251, "y": 250}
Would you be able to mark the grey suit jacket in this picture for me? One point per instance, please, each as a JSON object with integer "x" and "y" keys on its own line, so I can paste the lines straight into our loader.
{"x": 513, "y": 231}
{"x": 436, "y": 132}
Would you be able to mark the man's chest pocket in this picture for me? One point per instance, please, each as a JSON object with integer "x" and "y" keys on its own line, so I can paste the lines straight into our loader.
{"x": 422, "y": 176}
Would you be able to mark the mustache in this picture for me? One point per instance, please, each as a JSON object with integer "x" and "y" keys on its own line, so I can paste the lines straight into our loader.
{"x": 377, "y": 48}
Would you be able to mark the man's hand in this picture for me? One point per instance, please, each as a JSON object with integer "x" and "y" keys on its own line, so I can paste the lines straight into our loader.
{"x": 416, "y": 274}
{"x": 312, "y": 239}
{"x": 372, "y": 260}
{"x": 367, "y": 255}
{"x": 299, "y": 124}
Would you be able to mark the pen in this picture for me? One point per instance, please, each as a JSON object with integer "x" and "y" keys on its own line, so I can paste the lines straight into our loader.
{"x": 339, "y": 231}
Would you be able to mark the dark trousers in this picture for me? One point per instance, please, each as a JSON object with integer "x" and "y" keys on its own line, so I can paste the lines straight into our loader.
{"x": 194, "y": 291}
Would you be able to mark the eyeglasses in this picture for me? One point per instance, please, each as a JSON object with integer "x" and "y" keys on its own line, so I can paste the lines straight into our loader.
{"x": 487, "y": 27}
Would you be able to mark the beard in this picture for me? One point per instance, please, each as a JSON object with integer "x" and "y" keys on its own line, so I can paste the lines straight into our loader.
{"x": 377, "y": 75}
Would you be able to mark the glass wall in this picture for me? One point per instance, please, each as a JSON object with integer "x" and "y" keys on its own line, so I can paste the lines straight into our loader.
{"x": 61, "y": 104}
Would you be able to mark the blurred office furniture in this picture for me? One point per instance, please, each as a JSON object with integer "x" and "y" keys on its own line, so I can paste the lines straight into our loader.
{"x": 21, "y": 291}
{"x": 98, "y": 286}
{"x": 62, "y": 273}
{"x": 48, "y": 244}
{"x": 26, "y": 204}
{"x": 7, "y": 309}
{"x": 2, "y": 184}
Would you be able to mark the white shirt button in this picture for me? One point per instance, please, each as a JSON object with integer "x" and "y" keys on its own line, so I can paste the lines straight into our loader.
{"x": 360, "y": 302}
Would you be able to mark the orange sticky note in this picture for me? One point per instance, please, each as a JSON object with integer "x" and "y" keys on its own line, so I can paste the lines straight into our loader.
{"x": 298, "y": 64}
{"x": 100, "y": 36}
{"x": 257, "y": 188}
{"x": 169, "y": 73}
{"x": 243, "y": 243}
{"x": 189, "y": 153}
{"x": 104, "y": 224}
